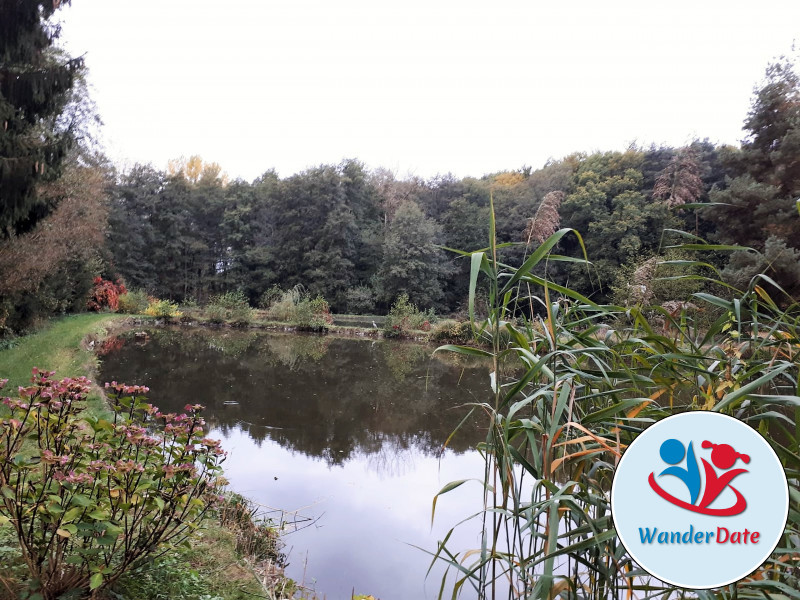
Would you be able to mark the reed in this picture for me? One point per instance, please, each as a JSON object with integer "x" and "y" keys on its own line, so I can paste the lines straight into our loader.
{"x": 586, "y": 379}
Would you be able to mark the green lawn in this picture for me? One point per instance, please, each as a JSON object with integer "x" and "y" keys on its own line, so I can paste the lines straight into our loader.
{"x": 56, "y": 348}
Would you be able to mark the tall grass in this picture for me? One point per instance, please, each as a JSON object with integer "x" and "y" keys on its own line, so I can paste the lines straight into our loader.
{"x": 588, "y": 378}
{"x": 298, "y": 307}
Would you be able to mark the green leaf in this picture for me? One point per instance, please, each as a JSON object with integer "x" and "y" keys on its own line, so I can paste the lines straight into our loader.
{"x": 477, "y": 261}
{"x": 610, "y": 411}
{"x": 700, "y": 205}
{"x": 537, "y": 256}
{"x": 585, "y": 544}
{"x": 96, "y": 581}
{"x": 464, "y": 350}
{"x": 80, "y": 500}
{"x": 715, "y": 300}
{"x": 447, "y": 488}
{"x": 711, "y": 247}
{"x": 753, "y": 385}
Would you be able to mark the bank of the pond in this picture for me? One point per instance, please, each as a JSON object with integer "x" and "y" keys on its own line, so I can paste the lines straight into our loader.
{"x": 215, "y": 566}
{"x": 444, "y": 331}
{"x": 64, "y": 345}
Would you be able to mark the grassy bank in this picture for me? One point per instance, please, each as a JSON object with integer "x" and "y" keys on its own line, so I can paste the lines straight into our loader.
{"x": 60, "y": 347}
{"x": 214, "y": 566}
{"x": 57, "y": 348}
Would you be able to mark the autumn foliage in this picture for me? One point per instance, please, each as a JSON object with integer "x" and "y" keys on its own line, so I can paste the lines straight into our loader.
{"x": 105, "y": 295}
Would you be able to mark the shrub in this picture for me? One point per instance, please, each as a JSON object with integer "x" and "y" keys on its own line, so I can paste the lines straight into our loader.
{"x": 451, "y": 331}
{"x": 231, "y": 306}
{"x": 89, "y": 498}
{"x": 269, "y": 297}
{"x": 189, "y": 303}
{"x": 230, "y": 300}
{"x": 215, "y": 314}
{"x": 283, "y": 304}
{"x": 241, "y": 315}
{"x": 405, "y": 317}
{"x": 133, "y": 302}
{"x": 162, "y": 308}
{"x": 296, "y": 306}
{"x": 105, "y": 294}
{"x": 312, "y": 314}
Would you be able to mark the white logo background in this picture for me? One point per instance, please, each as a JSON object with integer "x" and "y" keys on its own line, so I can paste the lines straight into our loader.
{"x": 635, "y": 505}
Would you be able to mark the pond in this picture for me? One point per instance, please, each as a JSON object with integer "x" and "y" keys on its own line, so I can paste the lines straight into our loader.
{"x": 347, "y": 435}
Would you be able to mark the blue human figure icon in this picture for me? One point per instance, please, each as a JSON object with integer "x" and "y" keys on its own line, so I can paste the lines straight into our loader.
{"x": 672, "y": 452}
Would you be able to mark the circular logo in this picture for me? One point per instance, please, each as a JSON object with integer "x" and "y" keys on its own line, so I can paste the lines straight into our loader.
{"x": 699, "y": 500}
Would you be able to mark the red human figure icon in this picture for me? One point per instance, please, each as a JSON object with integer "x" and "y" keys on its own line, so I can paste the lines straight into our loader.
{"x": 724, "y": 457}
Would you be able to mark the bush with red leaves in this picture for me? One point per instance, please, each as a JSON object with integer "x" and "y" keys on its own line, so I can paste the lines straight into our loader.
{"x": 105, "y": 294}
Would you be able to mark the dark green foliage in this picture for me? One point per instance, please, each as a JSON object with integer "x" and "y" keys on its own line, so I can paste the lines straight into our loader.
{"x": 612, "y": 211}
{"x": 412, "y": 264}
{"x": 132, "y": 235}
{"x": 361, "y": 300}
{"x": 34, "y": 89}
{"x": 759, "y": 207}
{"x": 360, "y": 239}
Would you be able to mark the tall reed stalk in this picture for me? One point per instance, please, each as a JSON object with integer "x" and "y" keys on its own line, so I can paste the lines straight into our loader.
{"x": 574, "y": 382}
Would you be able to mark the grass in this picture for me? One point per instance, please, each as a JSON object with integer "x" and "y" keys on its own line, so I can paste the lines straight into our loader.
{"x": 211, "y": 567}
{"x": 57, "y": 348}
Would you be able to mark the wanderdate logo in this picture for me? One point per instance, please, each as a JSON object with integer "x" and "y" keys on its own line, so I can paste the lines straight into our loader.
{"x": 723, "y": 457}
{"x": 699, "y": 500}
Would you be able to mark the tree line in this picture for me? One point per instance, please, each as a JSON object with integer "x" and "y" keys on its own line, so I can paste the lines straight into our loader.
{"x": 361, "y": 237}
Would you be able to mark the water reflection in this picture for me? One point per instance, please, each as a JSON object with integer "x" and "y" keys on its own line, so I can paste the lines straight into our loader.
{"x": 322, "y": 396}
{"x": 351, "y": 431}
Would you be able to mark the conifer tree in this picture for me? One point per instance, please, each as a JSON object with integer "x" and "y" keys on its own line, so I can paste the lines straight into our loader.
{"x": 34, "y": 88}
{"x": 759, "y": 207}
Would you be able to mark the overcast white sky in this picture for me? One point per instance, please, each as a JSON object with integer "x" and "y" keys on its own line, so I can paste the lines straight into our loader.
{"x": 419, "y": 86}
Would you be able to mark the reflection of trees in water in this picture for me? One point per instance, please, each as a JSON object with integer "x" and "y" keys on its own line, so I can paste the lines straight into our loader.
{"x": 290, "y": 350}
{"x": 390, "y": 457}
{"x": 402, "y": 358}
{"x": 322, "y": 396}
{"x": 191, "y": 342}
{"x": 232, "y": 344}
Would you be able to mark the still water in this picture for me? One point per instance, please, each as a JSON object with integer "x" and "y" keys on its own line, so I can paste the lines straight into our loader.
{"x": 347, "y": 435}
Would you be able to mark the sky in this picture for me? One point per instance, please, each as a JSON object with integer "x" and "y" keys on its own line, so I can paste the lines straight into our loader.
{"x": 421, "y": 87}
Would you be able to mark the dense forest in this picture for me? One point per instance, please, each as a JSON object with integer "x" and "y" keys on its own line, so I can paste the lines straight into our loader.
{"x": 360, "y": 237}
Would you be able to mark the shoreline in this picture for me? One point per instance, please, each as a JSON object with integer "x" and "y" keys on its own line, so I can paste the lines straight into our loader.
{"x": 69, "y": 346}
